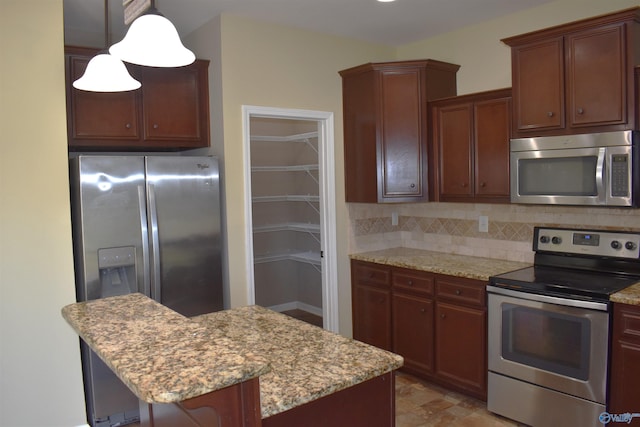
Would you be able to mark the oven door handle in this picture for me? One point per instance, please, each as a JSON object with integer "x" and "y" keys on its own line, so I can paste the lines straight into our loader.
{"x": 593, "y": 305}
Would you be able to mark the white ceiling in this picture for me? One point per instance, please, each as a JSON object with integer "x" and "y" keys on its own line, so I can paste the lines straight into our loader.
{"x": 396, "y": 23}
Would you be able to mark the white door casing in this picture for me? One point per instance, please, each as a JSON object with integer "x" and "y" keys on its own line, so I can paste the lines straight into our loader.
{"x": 327, "y": 202}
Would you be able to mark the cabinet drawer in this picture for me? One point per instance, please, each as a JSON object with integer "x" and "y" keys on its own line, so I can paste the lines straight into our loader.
{"x": 371, "y": 274}
{"x": 412, "y": 281}
{"x": 628, "y": 322}
{"x": 465, "y": 293}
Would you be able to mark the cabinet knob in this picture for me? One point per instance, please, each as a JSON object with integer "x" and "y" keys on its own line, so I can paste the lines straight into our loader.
{"x": 155, "y": 126}
{"x": 483, "y": 184}
{"x": 381, "y": 300}
{"x": 410, "y": 283}
{"x": 127, "y": 125}
{"x": 550, "y": 114}
{"x": 463, "y": 185}
{"x": 580, "y": 111}
{"x": 412, "y": 185}
{"x": 442, "y": 316}
{"x": 458, "y": 292}
{"x": 422, "y": 310}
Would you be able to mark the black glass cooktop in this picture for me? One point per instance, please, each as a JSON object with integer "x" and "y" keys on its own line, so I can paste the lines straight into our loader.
{"x": 564, "y": 282}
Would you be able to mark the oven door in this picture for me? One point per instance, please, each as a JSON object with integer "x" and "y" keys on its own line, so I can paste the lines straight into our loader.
{"x": 549, "y": 341}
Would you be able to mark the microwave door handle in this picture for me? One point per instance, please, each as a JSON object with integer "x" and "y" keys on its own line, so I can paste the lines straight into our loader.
{"x": 600, "y": 175}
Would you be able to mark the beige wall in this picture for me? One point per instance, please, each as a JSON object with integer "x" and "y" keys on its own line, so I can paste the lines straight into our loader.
{"x": 40, "y": 374}
{"x": 275, "y": 66}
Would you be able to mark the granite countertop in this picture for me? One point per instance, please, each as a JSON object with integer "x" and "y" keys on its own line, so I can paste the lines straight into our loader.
{"x": 164, "y": 357}
{"x": 439, "y": 262}
{"x": 160, "y": 355}
{"x": 465, "y": 266}
{"x": 307, "y": 362}
{"x": 631, "y": 295}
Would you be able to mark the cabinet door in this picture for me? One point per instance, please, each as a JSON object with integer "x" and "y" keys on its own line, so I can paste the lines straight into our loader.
{"x": 538, "y": 85}
{"x": 401, "y": 132}
{"x": 624, "y": 391}
{"x": 460, "y": 347}
{"x": 413, "y": 331}
{"x": 596, "y": 77}
{"x": 454, "y": 139}
{"x": 492, "y": 129}
{"x": 372, "y": 316}
{"x": 95, "y": 116}
{"x": 174, "y": 107}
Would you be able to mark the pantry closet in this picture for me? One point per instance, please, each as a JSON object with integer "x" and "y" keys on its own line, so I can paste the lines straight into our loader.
{"x": 285, "y": 210}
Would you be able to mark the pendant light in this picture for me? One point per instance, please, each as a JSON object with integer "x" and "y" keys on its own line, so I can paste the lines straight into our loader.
{"x": 152, "y": 41}
{"x": 106, "y": 73}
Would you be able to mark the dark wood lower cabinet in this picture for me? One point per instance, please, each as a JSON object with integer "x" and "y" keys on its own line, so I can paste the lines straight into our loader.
{"x": 413, "y": 332}
{"x": 460, "y": 349}
{"x": 624, "y": 387}
{"x": 367, "y": 404}
{"x": 437, "y": 323}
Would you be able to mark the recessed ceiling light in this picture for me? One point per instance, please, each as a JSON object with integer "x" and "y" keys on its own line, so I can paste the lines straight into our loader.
{"x": 386, "y": 1}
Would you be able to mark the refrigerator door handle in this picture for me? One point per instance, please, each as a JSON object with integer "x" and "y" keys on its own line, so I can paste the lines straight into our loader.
{"x": 142, "y": 202}
{"x": 155, "y": 245}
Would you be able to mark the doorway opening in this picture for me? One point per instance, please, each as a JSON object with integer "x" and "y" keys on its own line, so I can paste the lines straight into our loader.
{"x": 290, "y": 209}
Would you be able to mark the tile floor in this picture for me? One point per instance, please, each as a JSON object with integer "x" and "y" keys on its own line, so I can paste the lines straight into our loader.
{"x": 422, "y": 404}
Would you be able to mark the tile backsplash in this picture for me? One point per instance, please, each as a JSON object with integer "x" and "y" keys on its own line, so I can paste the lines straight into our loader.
{"x": 453, "y": 227}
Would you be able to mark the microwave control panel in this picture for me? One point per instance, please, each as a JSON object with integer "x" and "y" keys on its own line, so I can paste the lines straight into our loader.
{"x": 620, "y": 175}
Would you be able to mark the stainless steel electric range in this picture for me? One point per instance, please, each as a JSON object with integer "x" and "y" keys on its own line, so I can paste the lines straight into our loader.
{"x": 549, "y": 326}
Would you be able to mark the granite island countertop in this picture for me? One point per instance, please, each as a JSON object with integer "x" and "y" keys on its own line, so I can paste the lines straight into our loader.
{"x": 164, "y": 357}
{"x": 307, "y": 362}
{"x": 442, "y": 263}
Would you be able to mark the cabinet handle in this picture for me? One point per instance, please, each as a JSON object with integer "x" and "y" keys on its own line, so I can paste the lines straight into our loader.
{"x": 155, "y": 126}
{"x": 127, "y": 126}
{"x": 580, "y": 111}
{"x": 458, "y": 292}
{"x": 550, "y": 114}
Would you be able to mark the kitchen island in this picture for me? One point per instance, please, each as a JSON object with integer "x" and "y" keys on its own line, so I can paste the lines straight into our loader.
{"x": 248, "y": 366}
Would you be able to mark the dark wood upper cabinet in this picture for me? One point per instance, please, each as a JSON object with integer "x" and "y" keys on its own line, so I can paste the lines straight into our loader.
{"x": 470, "y": 143}
{"x": 385, "y": 127}
{"x": 576, "y": 78}
{"x": 169, "y": 112}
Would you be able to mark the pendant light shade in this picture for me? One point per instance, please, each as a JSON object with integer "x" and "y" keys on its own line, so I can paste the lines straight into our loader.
{"x": 106, "y": 73}
{"x": 152, "y": 41}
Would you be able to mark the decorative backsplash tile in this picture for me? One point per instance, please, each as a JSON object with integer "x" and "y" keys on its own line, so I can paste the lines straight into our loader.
{"x": 453, "y": 227}
{"x": 447, "y": 226}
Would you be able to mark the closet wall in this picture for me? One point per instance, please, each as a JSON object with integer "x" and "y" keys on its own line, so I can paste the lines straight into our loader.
{"x": 285, "y": 214}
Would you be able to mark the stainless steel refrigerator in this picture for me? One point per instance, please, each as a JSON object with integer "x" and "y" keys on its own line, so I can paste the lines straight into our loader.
{"x": 148, "y": 224}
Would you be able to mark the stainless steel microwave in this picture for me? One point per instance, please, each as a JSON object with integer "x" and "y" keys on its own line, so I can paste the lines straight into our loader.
{"x": 600, "y": 169}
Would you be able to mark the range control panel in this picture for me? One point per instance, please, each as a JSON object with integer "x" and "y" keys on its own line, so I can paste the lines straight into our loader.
{"x": 616, "y": 244}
